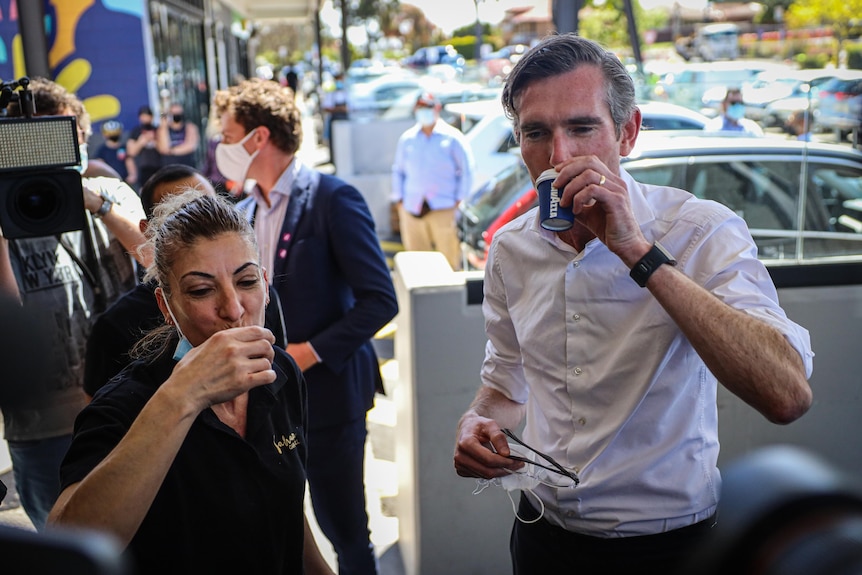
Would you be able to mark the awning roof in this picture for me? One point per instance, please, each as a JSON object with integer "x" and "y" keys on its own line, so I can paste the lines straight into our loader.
{"x": 254, "y": 10}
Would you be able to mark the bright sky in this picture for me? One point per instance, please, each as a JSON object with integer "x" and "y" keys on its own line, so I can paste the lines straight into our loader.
{"x": 451, "y": 14}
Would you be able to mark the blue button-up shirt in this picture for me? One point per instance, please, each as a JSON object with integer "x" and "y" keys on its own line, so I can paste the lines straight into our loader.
{"x": 437, "y": 169}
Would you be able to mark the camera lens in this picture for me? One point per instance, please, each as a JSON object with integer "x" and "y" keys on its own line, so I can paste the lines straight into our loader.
{"x": 44, "y": 203}
{"x": 38, "y": 200}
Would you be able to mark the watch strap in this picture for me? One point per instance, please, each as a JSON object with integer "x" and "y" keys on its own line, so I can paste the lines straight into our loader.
{"x": 106, "y": 206}
{"x": 648, "y": 264}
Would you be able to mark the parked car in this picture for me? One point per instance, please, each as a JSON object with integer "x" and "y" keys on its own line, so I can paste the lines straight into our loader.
{"x": 430, "y": 55}
{"x": 687, "y": 85}
{"x": 761, "y": 179}
{"x": 493, "y": 143}
{"x": 805, "y": 96}
{"x": 840, "y": 102}
{"x": 767, "y": 87}
{"x": 370, "y": 99}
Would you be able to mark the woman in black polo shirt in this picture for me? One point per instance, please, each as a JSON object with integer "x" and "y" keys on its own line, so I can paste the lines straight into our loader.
{"x": 194, "y": 456}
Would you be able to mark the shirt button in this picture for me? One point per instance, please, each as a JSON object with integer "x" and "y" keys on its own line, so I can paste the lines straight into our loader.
{"x": 582, "y": 421}
{"x": 577, "y": 371}
{"x": 576, "y": 316}
{"x": 576, "y": 264}
{"x": 570, "y": 514}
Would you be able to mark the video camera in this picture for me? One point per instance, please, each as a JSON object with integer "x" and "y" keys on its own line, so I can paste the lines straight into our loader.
{"x": 39, "y": 194}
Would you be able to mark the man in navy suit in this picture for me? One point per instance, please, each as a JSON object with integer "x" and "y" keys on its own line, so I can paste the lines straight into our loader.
{"x": 319, "y": 244}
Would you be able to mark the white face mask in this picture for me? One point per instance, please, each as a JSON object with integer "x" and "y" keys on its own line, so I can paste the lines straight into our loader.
{"x": 425, "y": 116}
{"x": 233, "y": 160}
{"x": 85, "y": 158}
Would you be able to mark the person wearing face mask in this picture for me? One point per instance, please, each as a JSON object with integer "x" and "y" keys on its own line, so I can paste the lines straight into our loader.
{"x": 141, "y": 147}
{"x": 317, "y": 237}
{"x": 732, "y": 117}
{"x": 334, "y": 108}
{"x": 432, "y": 172}
{"x": 117, "y": 329}
{"x": 194, "y": 456}
{"x": 177, "y": 139}
{"x": 113, "y": 150}
{"x": 66, "y": 279}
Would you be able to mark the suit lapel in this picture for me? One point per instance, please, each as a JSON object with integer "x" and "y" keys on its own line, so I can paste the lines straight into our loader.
{"x": 301, "y": 194}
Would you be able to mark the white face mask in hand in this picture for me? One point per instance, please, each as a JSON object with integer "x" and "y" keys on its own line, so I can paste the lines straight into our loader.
{"x": 538, "y": 468}
{"x": 233, "y": 160}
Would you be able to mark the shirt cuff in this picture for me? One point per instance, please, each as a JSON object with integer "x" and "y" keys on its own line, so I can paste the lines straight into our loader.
{"x": 314, "y": 351}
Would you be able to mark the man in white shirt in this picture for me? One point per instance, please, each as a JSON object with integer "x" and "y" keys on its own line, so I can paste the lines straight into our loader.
{"x": 609, "y": 348}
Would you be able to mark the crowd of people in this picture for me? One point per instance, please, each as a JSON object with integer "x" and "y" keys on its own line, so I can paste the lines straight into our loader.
{"x": 172, "y": 376}
{"x": 212, "y": 351}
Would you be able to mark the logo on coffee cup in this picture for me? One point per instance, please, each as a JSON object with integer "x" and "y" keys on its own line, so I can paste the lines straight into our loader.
{"x": 555, "y": 203}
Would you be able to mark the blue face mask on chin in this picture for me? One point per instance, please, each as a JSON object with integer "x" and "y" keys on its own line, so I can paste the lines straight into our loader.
{"x": 182, "y": 348}
{"x": 185, "y": 345}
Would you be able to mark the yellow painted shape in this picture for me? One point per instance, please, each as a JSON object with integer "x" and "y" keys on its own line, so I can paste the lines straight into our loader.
{"x": 102, "y": 107}
{"x": 68, "y": 13}
{"x": 75, "y": 75}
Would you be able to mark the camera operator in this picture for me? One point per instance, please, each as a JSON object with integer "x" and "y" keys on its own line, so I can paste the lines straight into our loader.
{"x": 66, "y": 280}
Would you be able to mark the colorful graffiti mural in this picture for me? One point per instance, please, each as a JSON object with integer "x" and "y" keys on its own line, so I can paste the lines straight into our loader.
{"x": 96, "y": 49}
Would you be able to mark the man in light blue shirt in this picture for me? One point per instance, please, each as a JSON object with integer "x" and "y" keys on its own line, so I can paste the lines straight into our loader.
{"x": 432, "y": 172}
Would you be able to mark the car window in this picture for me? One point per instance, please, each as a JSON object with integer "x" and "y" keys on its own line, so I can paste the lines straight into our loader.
{"x": 486, "y": 203}
{"x": 766, "y": 194}
{"x": 509, "y": 143}
{"x": 657, "y": 123}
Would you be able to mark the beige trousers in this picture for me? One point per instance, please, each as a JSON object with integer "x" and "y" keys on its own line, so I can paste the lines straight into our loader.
{"x": 433, "y": 232}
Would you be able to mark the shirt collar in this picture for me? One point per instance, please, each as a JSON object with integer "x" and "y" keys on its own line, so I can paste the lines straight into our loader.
{"x": 282, "y": 186}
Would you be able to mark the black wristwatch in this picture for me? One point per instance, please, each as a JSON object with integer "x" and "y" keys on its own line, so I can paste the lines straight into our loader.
{"x": 107, "y": 204}
{"x": 648, "y": 264}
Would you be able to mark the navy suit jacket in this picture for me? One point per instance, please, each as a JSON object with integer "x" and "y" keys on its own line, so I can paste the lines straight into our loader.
{"x": 336, "y": 292}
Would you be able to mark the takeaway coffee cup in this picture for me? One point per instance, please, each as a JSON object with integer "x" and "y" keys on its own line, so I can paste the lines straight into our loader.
{"x": 552, "y": 216}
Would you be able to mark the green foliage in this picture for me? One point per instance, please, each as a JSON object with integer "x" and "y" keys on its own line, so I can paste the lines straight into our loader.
{"x": 854, "y": 56}
{"x": 470, "y": 30}
{"x": 465, "y": 45}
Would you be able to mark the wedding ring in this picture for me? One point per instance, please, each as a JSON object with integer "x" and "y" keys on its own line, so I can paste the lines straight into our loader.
{"x": 602, "y": 181}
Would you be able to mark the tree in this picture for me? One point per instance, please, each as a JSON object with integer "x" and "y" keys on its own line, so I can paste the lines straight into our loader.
{"x": 605, "y": 21}
{"x": 840, "y": 15}
{"x": 378, "y": 17}
{"x": 415, "y": 28}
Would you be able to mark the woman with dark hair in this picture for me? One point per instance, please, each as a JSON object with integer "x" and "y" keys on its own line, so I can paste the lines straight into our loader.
{"x": 194, "y": 456}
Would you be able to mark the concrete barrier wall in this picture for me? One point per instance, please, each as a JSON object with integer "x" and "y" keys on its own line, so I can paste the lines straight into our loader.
{"x": 363, "y": 153}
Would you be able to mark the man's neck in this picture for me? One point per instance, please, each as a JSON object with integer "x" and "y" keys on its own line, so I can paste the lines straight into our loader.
{"x": 270, "y": 172}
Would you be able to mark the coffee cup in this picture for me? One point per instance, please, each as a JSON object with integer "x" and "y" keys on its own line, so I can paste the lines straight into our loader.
{"x": 552, "y": 216}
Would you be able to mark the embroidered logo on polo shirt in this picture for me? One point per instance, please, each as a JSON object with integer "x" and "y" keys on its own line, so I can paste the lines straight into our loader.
{"x": 291, "y": 442}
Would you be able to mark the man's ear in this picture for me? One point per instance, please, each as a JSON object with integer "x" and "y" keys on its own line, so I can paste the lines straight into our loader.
{"x": 142, "y": 225}
{"x": 261, "y": 136}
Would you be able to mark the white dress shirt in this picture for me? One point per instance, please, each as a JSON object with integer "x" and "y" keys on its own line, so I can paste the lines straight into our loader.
{"x": 612, "y": 386}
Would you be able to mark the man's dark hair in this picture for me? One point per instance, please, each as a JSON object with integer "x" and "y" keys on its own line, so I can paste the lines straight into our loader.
{"x": 561, "y": 53}
{"x": 165, "y": 175}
